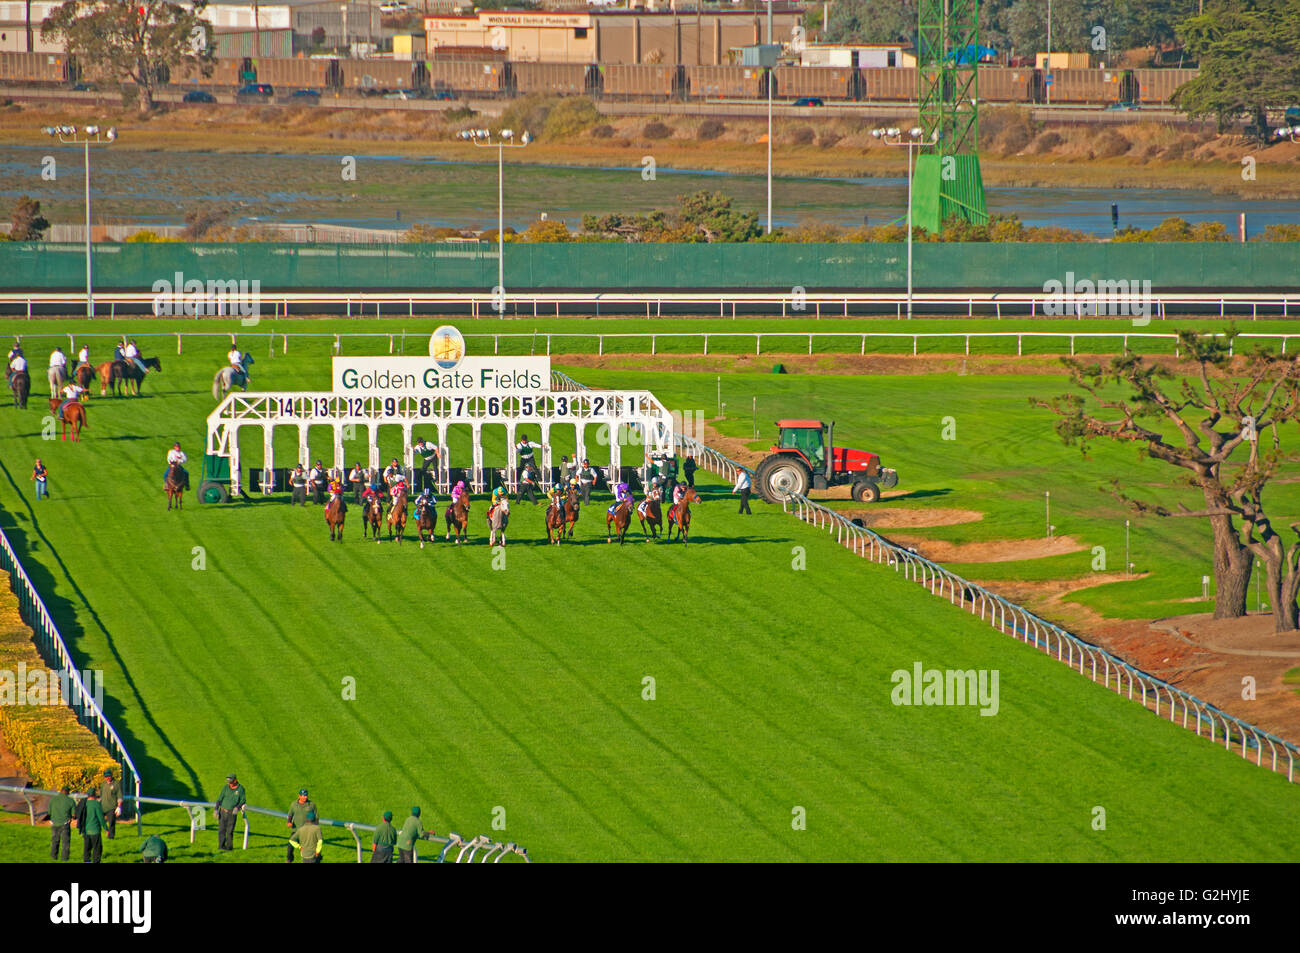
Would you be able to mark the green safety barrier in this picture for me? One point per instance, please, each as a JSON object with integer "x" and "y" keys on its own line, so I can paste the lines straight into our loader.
{"x": 282, "y": 266}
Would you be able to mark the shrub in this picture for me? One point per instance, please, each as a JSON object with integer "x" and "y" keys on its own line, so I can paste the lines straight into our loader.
{"x": 1109, "y": 145}
{"x": 603, "y": 131}
{"x": 1279, "y": 233}
{"x": 1047, "y": 142}
{"x": 803, "y": 136}
{"x": 570, "y": 117}
{"x": 548, "y": 230}
{"x": 828, "y": 139}
{"x": 656, "y": 130}
{"x": 429, "y": 233}
{"x": 528, "y": 114}
{"x": 148, "y": 236}
{"x": 710, "y": 129}
{"x": 459, "y": 114}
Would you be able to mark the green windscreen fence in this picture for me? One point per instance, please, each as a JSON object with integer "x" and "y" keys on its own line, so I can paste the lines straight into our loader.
{"x": 582, "y": 266}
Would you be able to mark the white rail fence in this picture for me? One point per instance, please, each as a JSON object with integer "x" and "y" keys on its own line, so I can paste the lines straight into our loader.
{"x": 788, "y": 342}
{"x": 1011, "y": 619}
{"x": 55, "y": 652}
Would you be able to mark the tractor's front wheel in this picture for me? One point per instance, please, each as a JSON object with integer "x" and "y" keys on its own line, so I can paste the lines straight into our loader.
{"x": 781, "y": 477}
{"x": 866, "y": 492}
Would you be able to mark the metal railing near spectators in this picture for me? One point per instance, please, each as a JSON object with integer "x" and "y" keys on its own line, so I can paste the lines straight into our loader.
{"x": 54, "y": 650}
{"x": 1014, "y": 620}
{"x": 491, "y": 849}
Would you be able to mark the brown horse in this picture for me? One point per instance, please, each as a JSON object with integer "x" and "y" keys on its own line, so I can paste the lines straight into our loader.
{"x": 397, "y": 517}
{"x": 336, "y": 512}
{"x": 74, "y": 416}
{"x": 555, "y": 516}
{"x": 571, "y": 508}
{"x": 620, "y": 519}
{"x": 457, "y": 517}
{"x": 84, "y": 375}
{"x": 174, "y": 484}
{"x": 372, "y": 515}
{"x": 426, "y": 524}
{"x": 679, "y": 515}
{"x": 650, "y": 515}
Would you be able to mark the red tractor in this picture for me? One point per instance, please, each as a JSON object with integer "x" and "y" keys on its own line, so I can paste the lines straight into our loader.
{"x": 806, "y": 458}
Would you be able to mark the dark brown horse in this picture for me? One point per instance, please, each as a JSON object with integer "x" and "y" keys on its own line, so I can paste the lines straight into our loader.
{"x": 372, "y": 515}
{"x": 21, "y": 385}
{"x": 397, "y": 517}
{"x": 571, "y": 510}
{"x": 620, "y": 519}
{"x": 555, "y": 515}
{"x": 74, "y": 416}
{"x": 426, "y": 523}
{"x": 112, "y": 374}
{"x": 174, "y": 484}
{"x": 84, "y": 375}
{"x": 650, "y": 514}
{"x": 336, "y": 512}
{"x": 457, "y": 517}
{"x": 679, "y": 515}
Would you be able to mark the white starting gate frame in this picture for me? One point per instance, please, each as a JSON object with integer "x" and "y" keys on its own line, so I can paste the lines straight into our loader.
{"x": 536, "y": 413}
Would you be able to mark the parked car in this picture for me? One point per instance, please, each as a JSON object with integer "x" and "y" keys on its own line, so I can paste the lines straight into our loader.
{"x": 198, "y": 96}
{"x": 308, "y": 96}
{"x": 1122, "y": 107}
{"x": 85, "y": 87}
{"x": 256, "y": 91}
{"x": 809, "y": 101}
{"x": 401, "y": 94}
{"x": 443, "y": 94}
{"x": 394, "y": 6}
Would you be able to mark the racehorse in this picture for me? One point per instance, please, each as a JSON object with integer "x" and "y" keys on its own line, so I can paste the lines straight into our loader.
{"x": 174, "y": 484}
{"x": 457, "y": 517}
{"x": 498, "y": 519}
{"x": 427, "y": 524}
{"x": 679, "y": 515}
{"x": 372, "y": 516}
{"x": 335, "y": 512}
{"x": 621, "y": 518}
{"x": 650, "y": 514}
{"x": 21, "y": 385}
{"x": 113, "y": 373}
{"x": 555, "y": 522}
{"x": 74, "y": 416}
{"x": 229, "y": 376}
{"x": 397, "y": 517}
{"x": 84, "y": 375}
{"x": 571, "y": 508}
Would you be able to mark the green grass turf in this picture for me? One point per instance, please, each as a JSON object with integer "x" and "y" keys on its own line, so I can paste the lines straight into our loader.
{"x": 521, "y": 687}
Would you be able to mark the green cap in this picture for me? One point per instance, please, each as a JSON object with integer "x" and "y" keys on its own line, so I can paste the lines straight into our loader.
{"x": 388, "y": 815}
{"x": 311, "y": 815}
{"x": 415, "y": 811}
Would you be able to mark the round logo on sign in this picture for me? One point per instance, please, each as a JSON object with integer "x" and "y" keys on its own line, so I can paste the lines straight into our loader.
{"x": 447, "y": 347}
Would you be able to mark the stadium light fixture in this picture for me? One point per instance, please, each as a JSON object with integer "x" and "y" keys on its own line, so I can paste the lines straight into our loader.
{"x": 90, "y": 136}
{"x": 893, "y": 136}
{"x": 483, "y": 138}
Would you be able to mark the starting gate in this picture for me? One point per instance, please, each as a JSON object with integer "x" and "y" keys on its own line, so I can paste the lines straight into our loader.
{"x": 539, "y": 411}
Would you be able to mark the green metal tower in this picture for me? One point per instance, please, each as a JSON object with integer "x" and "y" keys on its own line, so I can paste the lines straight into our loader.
{"x": 948, "y": 180}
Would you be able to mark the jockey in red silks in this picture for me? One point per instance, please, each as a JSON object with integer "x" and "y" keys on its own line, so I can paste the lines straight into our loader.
{"x": 398, "y": 485}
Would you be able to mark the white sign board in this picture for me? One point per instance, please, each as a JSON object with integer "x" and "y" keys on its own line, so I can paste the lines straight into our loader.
{"x": 424, "y": 376}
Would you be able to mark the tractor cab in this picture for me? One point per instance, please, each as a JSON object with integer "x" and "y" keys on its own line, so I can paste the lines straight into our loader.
{"x": 805, "y": 458}
{"x": 808, "y": 437}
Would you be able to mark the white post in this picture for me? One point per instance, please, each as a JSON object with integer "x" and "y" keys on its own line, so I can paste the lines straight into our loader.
{"x": 909, "y": 230}
{"x": 501, "y": 225}
{"x": 90, "y": 298}
{"x": 771, "y": 78}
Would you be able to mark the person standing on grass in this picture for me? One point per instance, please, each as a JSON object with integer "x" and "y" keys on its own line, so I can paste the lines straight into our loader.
{"x": 90, "y": 821}
{"x": 298, "y": 812}
{"x": 688, "y": 471}
{"x": 357, "y": 479}
{"x": 586, "y": 479}
{"x": 527, "y": 485}
{"x": 381, "y": 848}
{"x": 412, "y": 831}
{"x": 39, "y": 476}
{"x": 110, "y": 800}
{"x": 230, "y": 802}
{"x": 743, "y": 487}
{"x": 61, "y": 809}
{"x": 308, "y": 840}
{"x": 318, "y": 482}
{"x": 298, "y": 484}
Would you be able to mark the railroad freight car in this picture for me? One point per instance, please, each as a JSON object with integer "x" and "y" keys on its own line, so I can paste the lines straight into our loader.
{"x": 38, "y": 69}
{"x": 824, "y": 82}
{"x": 468, "y": 79}
{"x": 551, "y": 79}
{"x": 725, "y": 82}
{"x": 998, "y": 84}
{"x": 1085, "y": 86}
{"x": 896, "y": 84}
{"x": 286, "y": 75}
{"x": 1159, "y": 85}
{"x": 640, "y": 81}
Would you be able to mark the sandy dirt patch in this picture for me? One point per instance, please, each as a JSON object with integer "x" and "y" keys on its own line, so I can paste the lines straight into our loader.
{"x": 989, "y": 551}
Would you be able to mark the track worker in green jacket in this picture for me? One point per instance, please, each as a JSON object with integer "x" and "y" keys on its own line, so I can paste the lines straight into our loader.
{"x": 92, "y": 829}
{"x": 308, "y": 840}
{"x": 230, "y": 802}
{"x": 61, "y": 809}
{"x": 110, "y": 800}
{"x": 154, "y": 850}
{"x": 381, "y": 848}
{"x": 412, "y": 831}
{"x": 298, "y": 812}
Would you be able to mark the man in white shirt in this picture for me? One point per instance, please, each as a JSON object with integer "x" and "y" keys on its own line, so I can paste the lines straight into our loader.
{"x": 83, "y": 356}
{"x": 177, "y": 456}
{"x": 58, "y": 372}
{"x": 72, "y": 391}
{"x": 743, "y": 488}
{"x": 132, "y": 353}
{"x": 17, "y": 363}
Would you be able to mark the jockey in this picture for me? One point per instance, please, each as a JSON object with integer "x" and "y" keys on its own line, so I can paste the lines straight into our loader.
{"x": 556, "y": 495}
{"x": 398, "y": 485}
{"x": 679, "y": 491}
{"x": 336, "y": 492}
{"x": 132, "y": 353}
{"x": 391, "y": 472}
{"x": 457, "y": 492}
{"x": 72, "y": 391}
{"x": 370, "y": 494}
{"x": 177, "y": 456}
{"x": 118, "y": 355}
{"x": 426, "y": 498}
{"x": 498, "y": 496}
{"x": 622, "y": 493}
{"x": 83, "y": 356}
{"x": 15, "y": 351}
{"x": 17, "y": 363}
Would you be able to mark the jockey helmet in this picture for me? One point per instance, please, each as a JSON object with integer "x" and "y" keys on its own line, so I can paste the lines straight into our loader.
{"x": 176, "y": 445}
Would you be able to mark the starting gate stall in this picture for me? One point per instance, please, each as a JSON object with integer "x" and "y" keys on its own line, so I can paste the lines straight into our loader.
{"x": 528, "y": 401}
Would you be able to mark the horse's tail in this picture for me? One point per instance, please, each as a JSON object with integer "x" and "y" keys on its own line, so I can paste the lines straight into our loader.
{"x": 216, "y": 385}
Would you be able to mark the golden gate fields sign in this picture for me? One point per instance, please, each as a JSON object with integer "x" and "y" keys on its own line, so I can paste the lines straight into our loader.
{"x": 423, "y": 377}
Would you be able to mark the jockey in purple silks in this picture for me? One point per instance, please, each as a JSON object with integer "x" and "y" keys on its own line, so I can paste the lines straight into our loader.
{"x": 621, "y": 492}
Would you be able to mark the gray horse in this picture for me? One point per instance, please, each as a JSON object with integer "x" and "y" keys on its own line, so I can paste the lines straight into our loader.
{"x": 229, "y": 376}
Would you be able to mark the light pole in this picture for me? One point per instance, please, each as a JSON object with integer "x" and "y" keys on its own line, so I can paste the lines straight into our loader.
{"x": 483, "y": 137}
{"x": 89, "y": 135}
{"x": 1049, "y": 82}
{"x": 771, "y": 77}
{"x": 893, "y": 136}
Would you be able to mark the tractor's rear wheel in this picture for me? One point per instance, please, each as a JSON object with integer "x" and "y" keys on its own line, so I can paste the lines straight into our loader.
{"x": 865, "y": 492}
{"x": 212, "y": 492}
{"x": 782, "y": 476}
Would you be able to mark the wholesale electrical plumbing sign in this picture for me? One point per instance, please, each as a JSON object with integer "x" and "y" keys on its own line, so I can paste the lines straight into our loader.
{"x": 446, "y": 372}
